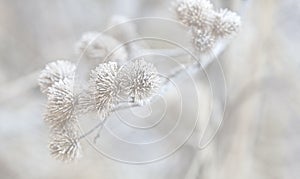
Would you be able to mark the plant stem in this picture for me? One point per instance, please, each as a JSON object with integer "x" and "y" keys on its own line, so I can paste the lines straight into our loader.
{"x": 101, "y": 123}
{"x": 194, "y": 67}
{"x": 93, "y": 129}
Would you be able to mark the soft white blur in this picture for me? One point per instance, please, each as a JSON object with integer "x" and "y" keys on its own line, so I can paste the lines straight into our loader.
{"x": 259, "y": 137}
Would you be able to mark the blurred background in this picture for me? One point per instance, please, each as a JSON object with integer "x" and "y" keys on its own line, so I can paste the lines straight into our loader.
{"x": 259, "y": 137}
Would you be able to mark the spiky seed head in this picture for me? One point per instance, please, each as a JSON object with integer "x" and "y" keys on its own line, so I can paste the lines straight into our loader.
{"x": 104, "y": 87}
{"x": 140, "y": 79}
{"x": 95, "y": 45}
{"x": 203, "y": 40}
{"x": 54, "y": 72}
{"x": 195, "y": 13}
{"x": 61, "y": 104}
{"x": 226, "y": 23}
{"x": 64, "y": 145}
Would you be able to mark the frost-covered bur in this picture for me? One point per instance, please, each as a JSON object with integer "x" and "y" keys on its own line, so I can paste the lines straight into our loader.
{"x": 226, "y": 23}
{"x": 64, "y": 145}
{"x": 54, "y": 72}
{"x": 60, "y": 115}
{"x": 137, "y": 80}
{"x": 95, "y": 45}
{"x": 140, "y": 80}
{"x": 207, "y": 25}
{"x": 104, "y": 88}
{"x": 195, "y": 13}
{"x": 57, "y": 81}
{"x": 61, "y": 104}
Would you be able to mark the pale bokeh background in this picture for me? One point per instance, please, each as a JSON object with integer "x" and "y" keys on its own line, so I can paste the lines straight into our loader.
{"x": 260, "y": 134}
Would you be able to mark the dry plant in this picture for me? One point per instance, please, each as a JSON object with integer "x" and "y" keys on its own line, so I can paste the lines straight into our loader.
{"x": 117, "y": 82}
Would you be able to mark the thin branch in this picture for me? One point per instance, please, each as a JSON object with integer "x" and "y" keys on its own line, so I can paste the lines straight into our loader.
{"x": 192, "y": 68}
{"x": 98, "y": 134}
{"x": 101, "y": 123}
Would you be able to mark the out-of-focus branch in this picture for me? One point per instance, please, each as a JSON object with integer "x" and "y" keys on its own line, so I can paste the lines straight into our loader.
{"x": 18, "y": 87}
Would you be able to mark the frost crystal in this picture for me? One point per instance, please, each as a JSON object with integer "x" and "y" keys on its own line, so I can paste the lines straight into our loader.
{"x": 140, "y": 80}
{"x": 60, "y": 106}
{"x": 54, "y": 72}
{"x": 195, "y": 13}
{"x": 99, "y": 46}
{"x": 104, "y": 87}
{"x": 64, "y": 145}
{"x": 226, "y": 23}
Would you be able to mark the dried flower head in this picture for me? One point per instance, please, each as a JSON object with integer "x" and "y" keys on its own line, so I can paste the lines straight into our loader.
{"x": 195, "y": 13}
{"x": 203, "y": 40}
{"x": 104, "y": 87}
{"x": 64, "y": 145}
{"x": 54, "y": 72}
{"x": 140, "y": 79}
{"x": 96, "y": 45}
{"x": 226, "y": 23}
{"x": 61, "y": 104}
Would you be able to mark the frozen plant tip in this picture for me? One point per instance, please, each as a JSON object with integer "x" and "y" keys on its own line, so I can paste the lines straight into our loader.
{"x": 104, "y": 87}
{"x": 64, "y": 145}
{"x": 61, "y": 104}
{"x": 227, "y": 23}
{"x": 140, "y": 80}
{"x": 103, "y": 47}
{"x": 54, "y": 72}
{"x": 207, "y": 25}
{"x": 195, "y": 13}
